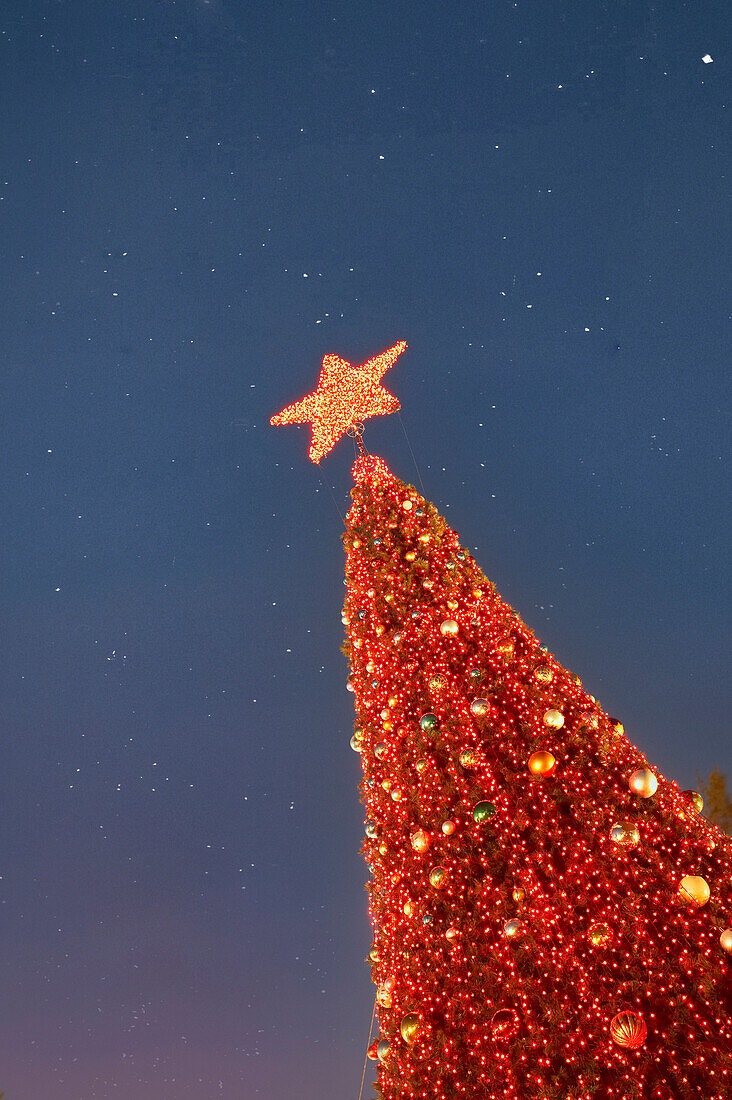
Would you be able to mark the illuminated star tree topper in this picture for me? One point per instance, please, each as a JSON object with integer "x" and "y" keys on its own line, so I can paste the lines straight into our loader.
{"x": 346, "y": 395}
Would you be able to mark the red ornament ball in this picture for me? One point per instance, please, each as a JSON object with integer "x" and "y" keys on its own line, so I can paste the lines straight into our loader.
{"x": 628, "y": 1029}
{"x": 598, "y": 933}
{"x": 505, "y": 1024}
{"x": 693, "y": 800}
{"x": 371, "y": 1052}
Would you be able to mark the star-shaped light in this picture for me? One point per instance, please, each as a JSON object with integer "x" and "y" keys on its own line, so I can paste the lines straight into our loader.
{"x": 346, "y": 395}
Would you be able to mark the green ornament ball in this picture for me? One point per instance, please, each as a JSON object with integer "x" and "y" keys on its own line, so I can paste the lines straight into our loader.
{"x": 484, "y": 811}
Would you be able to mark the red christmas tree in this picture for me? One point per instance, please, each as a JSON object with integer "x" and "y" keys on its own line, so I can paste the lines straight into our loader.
{"x": 551, "y": 915}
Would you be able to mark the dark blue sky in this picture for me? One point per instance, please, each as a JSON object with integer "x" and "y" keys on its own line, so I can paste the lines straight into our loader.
{"x": 197, "y": 201}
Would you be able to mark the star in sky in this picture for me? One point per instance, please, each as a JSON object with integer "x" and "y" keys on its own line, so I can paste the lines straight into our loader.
{"x": 346, "y": 395}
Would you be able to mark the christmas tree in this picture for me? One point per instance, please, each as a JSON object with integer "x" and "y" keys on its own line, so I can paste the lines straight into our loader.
{"x": 550, "y": 914}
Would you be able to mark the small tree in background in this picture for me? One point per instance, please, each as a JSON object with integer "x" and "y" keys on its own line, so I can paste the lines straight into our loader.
{"x": 717, "y": 804}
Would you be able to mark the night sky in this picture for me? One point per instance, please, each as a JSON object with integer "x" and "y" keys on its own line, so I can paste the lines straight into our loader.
{"x": 198, "y": 200}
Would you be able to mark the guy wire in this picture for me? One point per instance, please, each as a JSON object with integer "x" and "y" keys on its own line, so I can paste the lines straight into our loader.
{"x": 414, "y": 460}
{"x": 368, "y": 1044}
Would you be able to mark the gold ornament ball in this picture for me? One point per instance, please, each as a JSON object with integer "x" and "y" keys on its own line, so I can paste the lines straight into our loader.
{"x": 448, "y": 827}
{"x": 408, "y": 909}
{"x": 543, "y": 675}
{"x": 598, "y": 934}
{"x": 383, "y": 998}
{"x": 420, "y": 766}
{"x": 505, "y": 649}
{"x": 725, "y": 941}
{"x": 628, "y": 1029}
{"x": 437, "y": 682}
{"x": 553, "y": 719}
{"x": 467, "y": 758}
{"x": 374, "y": 954}
{"x": 479, "y": 707}
{"x": 438, "y": 877}
{"x": 410, "y": 1027}
{"x": 357, "y": 742}
{"x": 512, "y": 928}
{"x": 420, "y": 841}
{"x": 643, "y": 783}
{"x": 381, "y": 750}
{"x": 453, "y": 605}
{"x": 617, "y": 727}
{"x": 449, "y": 628}
{"x": 451, "y": 934}
{"x": 694, "y": 891}
{"x": 625, "y": 834}
{"x": 518, "y": 894}
{"x": 542, "y": 763}
{"x": 383, "y": 1050}
{"x": 397, "y": 794}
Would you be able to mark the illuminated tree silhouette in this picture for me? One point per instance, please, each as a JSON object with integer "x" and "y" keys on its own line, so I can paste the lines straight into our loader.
{"x": 551, "y": 916}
